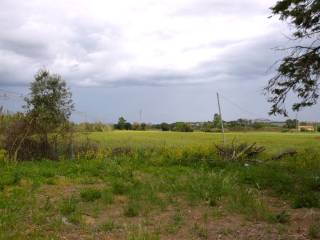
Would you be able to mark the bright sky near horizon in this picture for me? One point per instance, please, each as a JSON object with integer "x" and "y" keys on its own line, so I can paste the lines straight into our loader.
{"x": 167, "y": 58}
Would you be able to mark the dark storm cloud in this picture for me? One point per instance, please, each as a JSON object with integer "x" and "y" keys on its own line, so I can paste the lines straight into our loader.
{"x": 166, "y": 57}
{"x": 25, "y": 48}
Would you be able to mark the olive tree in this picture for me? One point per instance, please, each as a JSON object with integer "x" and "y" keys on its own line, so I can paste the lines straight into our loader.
{"x": 49, "y": 104}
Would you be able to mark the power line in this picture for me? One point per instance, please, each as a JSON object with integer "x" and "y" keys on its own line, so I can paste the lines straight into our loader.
{"x": 240, "y": 107}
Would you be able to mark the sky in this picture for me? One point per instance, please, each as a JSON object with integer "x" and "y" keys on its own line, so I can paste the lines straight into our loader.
{"x": 165, "y": 59}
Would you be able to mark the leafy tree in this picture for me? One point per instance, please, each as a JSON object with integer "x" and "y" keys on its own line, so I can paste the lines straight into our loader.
{"x": 165, "y": 126}
{"x": 49, "y": 104}
{"x": 291, "y": 123}
{"x": 135, "y": 126}
{"x": 143, "y": 126}
{"x": 258, "y": 125}
{"x": 48, "y": 109}
{"x": 217, "y": 121}
{"x": 298, "y": 72}
{"x": 121, "y": 125}
{"x": 128, "y": 126}
{"x": 182, "y": 127}
{"x": 207, "y": 127}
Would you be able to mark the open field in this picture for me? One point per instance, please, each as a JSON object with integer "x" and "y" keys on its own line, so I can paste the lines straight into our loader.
{"x": 164, "y": 185}
{"x": 272, "y": 140}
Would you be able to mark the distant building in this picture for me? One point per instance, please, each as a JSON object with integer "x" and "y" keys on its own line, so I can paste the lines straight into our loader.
{"x": 306, "y": 128}
{"x": 261, "y": 120}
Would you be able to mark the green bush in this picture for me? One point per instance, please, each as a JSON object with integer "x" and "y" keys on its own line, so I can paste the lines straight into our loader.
{"x": 306, "y": 200}
{"x": 10, "y": 178}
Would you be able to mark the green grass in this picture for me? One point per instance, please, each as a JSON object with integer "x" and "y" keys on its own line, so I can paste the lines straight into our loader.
{"x": 109, "y": 226}
{"x": 132, "y": 209}
{"x": 272, "y": 140}
{"x": 164, "y": 172}
{"x": 68, "y": 205}
{"x": 90, "y": 195}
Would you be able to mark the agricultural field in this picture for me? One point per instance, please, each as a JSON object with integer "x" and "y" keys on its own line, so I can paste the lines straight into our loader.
{"x": 166, "y": 185}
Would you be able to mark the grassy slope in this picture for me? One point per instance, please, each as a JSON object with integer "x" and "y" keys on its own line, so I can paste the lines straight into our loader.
{"x": 152, "y": 195}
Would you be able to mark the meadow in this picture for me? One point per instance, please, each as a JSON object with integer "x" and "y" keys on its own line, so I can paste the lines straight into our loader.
{"x": 166, "y": 185}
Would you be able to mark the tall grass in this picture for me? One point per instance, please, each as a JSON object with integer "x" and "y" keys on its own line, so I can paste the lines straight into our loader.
{"x": 151, "y": 179}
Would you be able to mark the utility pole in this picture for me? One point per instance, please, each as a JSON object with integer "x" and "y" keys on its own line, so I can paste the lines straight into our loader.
{"x": 297, "y": 122}
{"x": 222, "y": 128}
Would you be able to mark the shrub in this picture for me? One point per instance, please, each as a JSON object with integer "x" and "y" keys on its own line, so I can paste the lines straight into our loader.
{"x": 90, "y": 195}
{"x": 10, "y": 178}
{"x": 165, "y": 126}
{"x": 306, "y": 200}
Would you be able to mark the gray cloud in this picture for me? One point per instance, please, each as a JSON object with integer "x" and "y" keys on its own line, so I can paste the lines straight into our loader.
{"x": 90, "y": 48}
{"x": 226, "y": 8}
{"x": 167, "y": 57}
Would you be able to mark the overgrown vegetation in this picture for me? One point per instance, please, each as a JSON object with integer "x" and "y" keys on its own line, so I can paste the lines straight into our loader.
{"x": 33, "y": 134}
{"x": 111, "y": 191}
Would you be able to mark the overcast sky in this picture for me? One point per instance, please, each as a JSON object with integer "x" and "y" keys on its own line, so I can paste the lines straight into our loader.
{"x": 167, "y": 58}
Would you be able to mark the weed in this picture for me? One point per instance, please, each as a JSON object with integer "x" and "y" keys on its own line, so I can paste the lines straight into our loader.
{"x": 205, "y": 217}
{"x": 120, "y": 187}
{"x": 107, "y": 196}
{"x": 90, "y": 195}
{"x": 282, "y": 217}
{"x": 314, "y": 230}
{"x": 225, "y": 231}
{"x": 48, "y": 205}
{"x": 75, "y": 218}
{"x": 68, "y": 205}
{"x": 109, "y": 226}
{"x": 248, "y": 202}
{"x": 139, "y": 233}
{"x": 132, "y": 209}
{"x": 175, "y": 223}
{"x": 200, "y": 231}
